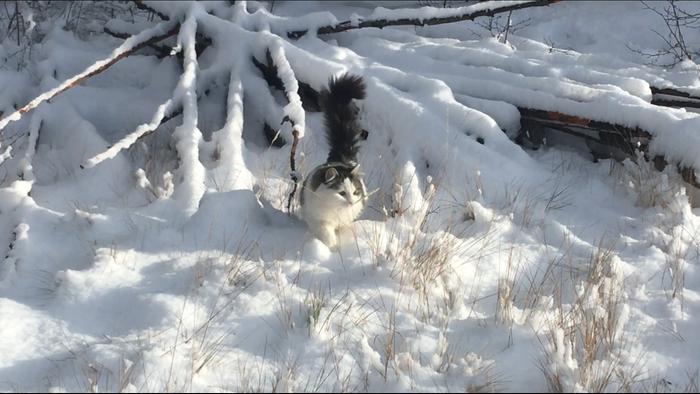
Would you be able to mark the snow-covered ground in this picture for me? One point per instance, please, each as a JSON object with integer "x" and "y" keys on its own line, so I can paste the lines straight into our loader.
{"x": 477, "y": 265}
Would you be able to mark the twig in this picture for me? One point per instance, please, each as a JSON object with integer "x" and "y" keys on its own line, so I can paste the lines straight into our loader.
{"x": 293, "y": 166}
{"x": 505, "y": 39}
{"x": 140, "y": 5}
{"x": 381, "y": 23}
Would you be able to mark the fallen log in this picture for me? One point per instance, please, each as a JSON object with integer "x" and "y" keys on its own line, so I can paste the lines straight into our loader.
{"x": 668, "y": 97}
{"x": 604, "y": 140}
{"x": 475, "y": 12}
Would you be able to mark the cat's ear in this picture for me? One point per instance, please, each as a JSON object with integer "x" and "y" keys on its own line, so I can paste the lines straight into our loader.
{"x": 331, "y": 174}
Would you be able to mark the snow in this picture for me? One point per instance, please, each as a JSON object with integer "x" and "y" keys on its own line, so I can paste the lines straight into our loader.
{"x": 142, "y": 255}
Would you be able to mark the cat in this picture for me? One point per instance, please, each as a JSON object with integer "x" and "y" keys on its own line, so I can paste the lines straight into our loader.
{"x": 333, "y": 194}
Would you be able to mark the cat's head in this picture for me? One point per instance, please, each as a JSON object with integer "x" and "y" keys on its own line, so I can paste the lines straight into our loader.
{"x": 340, "y": 182}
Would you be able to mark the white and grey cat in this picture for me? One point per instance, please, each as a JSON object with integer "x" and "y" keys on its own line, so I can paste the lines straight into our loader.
{"x": 333, "y": 194}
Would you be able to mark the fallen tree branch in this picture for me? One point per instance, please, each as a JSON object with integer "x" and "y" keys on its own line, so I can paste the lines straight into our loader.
{"x": 605, "y": 140}
{"x": 187, "y": 136}
{"x": 202, "y": 42}
{"x": 677, "y": 103}
{"x": 131, "y": 45}
{"x": 310, "y": 99}
{"x": 309, "y": 96}
{"x": 294, "y": 111}
{"x": 671, "y": 92}
{"x": 165, "y": 112}
{"x": 162, "y": 51}
{"x": 451, "y": 15}
{"x": 158, "y": 118}
{"x": 668, "y": 97}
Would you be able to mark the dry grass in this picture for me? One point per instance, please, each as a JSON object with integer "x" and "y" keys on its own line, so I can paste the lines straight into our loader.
{"x": 675, "y": 262}
{"x": 649, "y": 186}
{"x": 158, "y": 162}
{"x": 316, "y": 300}
{"x": 583, "y": 341}
{"x": 506, "y": 291}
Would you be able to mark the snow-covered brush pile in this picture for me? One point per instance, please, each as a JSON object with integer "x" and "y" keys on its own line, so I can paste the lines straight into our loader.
{"x": 150, "y": 242}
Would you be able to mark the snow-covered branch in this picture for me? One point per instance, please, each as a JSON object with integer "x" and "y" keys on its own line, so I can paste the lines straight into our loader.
{"x": 229, "y": 138}
{"x": 131, "y": 45}
{"x": 308, "y": 96}
{"x": 294, "y": 111}
{"x": 424, "y": 16}
{"x": 26, "y": 168}
{"x": 604, "y": 139}
{"x": 668, "y": 97}
{"x": 158, "y": 117}
{"x": 187, "y": 134}
{"x": 162, "y": 51}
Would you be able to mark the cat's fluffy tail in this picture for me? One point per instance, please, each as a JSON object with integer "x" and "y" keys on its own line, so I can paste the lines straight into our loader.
{"x": 343, "y": 131}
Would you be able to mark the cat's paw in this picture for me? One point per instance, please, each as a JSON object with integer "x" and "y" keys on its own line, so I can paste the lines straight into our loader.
{"x": 317, "y": 250}
{"x": 324, "y": 233}
{"x": 327, "y": 235}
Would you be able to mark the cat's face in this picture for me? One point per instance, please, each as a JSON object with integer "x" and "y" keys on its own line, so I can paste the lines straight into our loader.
{"x": 346, "y": 191}
{"x": 341, "y": 184}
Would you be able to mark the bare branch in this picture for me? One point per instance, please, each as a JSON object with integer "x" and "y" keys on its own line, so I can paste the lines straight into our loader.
{"x": 293, "y": 166}
{"x": 140, "y": 5}
{"x": 676, "y": 48}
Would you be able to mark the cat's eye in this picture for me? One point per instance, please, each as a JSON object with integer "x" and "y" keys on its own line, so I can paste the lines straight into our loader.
{"x": 342, "y": 193}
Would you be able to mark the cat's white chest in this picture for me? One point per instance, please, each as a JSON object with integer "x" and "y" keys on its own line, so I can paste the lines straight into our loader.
{"x": 319, "y": 207}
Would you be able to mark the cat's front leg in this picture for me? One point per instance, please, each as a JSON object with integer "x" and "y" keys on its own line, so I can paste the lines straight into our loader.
{"x": 325, "y": 232}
